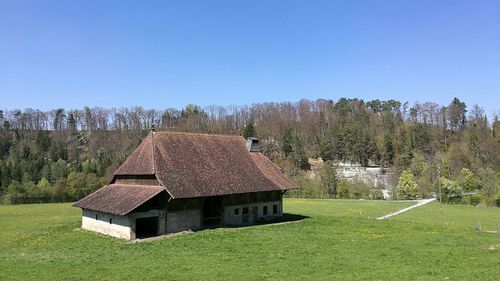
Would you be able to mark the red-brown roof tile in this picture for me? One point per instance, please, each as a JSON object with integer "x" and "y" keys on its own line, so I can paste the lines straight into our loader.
{"x": 199, "y": 165}
{"x": 118, "y": 199}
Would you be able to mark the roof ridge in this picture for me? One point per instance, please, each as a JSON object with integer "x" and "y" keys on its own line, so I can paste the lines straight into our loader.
{"x": 153, "y": 151}
{"x": 138, "y": 185}
{"x": 197, "y": 134}
{"x": 155, "y": 172}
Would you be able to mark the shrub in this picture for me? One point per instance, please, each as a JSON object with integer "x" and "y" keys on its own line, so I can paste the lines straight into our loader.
{"x": 407, "y": 185}
{"x": 343, "y": 190}
{"x": 329, "y": 178}
{"x": 468, "y": 180}
{"x": 497, "y": 201}
{"x": 16, "y": 193}
{"x": 357, "y": 195}
{"x": 476, "y": 199}
{"x": 452, "y": 191}
{"x": 376, "y": 194}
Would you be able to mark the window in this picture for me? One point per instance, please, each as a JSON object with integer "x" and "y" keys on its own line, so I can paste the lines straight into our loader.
{"x": 245, "y": 211}
{"x": 96, "y": 217}
{"x": 110, "y": 221}
{"x": 264, "y": 210}
{"x": 275, "y": 209}
{"x": 237, "y": 211}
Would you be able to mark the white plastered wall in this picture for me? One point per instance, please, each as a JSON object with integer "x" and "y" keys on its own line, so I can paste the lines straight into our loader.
{"x": 119, "y": 226}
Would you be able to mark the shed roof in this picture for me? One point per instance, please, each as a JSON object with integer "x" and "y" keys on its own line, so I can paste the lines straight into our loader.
{"x": 199, "y": 165}
{"x": 118, "y": 199}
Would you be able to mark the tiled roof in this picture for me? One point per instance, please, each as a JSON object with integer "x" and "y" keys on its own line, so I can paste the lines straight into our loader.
{"x": 119, "y": 199}
{"x": 199, "y": 165}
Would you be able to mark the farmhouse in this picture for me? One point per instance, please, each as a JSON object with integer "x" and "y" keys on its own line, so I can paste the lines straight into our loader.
{"x": 184, "y": 181}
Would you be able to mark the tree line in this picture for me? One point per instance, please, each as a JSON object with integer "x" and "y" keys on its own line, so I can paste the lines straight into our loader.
{"x": 62, "y": 155}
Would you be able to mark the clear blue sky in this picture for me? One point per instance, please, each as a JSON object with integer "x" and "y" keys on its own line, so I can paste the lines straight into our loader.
{"x": 161, "y": 54}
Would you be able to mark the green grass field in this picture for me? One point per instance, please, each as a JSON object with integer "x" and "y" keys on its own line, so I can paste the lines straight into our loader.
{"x": 338, "y": 240}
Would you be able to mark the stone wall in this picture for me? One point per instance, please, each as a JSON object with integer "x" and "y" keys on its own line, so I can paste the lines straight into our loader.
{"x": 234, "y": 215}
{"x": 180, "y": 220}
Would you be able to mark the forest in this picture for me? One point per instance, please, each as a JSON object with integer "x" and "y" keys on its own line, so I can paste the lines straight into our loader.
{"x": 451, "y": 151}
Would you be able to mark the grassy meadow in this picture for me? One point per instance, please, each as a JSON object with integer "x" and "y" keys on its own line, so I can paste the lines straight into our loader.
{"x": 336, "y": 240}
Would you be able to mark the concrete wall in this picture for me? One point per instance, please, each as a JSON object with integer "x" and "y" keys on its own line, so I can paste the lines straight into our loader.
{"x": 192, "y": 219}
{"x": 119, "y": 227}
{"x": 152, "y": 213}
{"x": 233, "y": 219}
{"x": 183, "y": 220}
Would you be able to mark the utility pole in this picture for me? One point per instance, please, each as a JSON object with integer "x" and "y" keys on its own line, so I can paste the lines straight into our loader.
{"x": 439, "y": 184}
{"x": 440, "y": 195}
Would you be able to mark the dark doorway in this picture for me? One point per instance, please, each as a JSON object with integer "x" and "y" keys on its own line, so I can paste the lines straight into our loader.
{"x": 255, "y": 213}
{"x": 212, "y": 211}
{"x": 244, "y": 218}
{"x": 146, "y": 227}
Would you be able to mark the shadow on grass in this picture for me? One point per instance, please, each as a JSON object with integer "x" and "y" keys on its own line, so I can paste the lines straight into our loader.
{"x": 286, "y": 218}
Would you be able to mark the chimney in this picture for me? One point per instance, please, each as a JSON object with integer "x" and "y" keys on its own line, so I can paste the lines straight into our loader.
{"x": 253, "y": 144}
